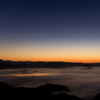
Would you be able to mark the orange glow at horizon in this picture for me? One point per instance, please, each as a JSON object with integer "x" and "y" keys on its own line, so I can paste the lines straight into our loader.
{"x": 85, "y": 53}
{"x": 58, "y": 60}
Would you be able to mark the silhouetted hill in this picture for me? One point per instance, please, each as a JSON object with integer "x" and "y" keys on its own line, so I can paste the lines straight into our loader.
{"x": 50, "y": 88}
{"x": 29, "y": 64}
{"x": 42, "y": 92}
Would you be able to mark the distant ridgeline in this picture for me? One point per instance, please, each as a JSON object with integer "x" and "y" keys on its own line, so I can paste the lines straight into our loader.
{"x": 39, "y": 64}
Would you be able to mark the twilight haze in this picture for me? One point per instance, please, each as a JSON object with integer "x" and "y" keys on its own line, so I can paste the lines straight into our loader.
{"x": 50, "y": 30}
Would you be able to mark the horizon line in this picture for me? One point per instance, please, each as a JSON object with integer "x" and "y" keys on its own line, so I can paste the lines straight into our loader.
{"x": 48, "y": 61}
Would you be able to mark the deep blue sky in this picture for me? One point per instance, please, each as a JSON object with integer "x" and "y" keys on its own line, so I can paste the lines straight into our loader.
{"x": 47, "y": 23}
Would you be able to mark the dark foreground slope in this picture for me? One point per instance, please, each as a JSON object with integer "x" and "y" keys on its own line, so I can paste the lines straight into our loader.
{"x": 96, "y": 97}
{"x": 44, "y": 92}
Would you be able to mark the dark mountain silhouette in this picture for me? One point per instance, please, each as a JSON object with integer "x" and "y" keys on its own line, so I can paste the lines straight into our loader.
{"x": 29, "y": 64}
{"x": 42, "y": 92}
{"x": 50, "y": 88}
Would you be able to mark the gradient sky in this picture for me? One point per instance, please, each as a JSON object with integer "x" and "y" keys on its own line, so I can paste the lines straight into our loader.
{"x": 50, "y": 30}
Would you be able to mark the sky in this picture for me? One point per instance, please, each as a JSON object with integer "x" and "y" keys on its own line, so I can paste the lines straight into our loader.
{"x": 50, "y": 30}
